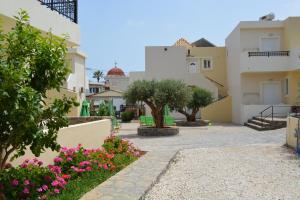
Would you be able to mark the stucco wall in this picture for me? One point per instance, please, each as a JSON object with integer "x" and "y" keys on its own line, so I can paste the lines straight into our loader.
{"x": 53, "y": 94}
{"x": 220, "y": 111}
{"x": 251, "y": 85}
{"x": 293, "y": 98}
{"x": 90, "y": 135}
{"x": 291, "y": 33}
{"x": 233, "y": 73}
{"x": 292, "y": 124}
{"x": 250, "y": 38}
{"x": 170, "y": 63}
{"x": 218, "y": 73}
{"x": 41, "y": 17}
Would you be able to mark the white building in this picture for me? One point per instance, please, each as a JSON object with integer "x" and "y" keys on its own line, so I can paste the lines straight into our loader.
{"x": 59, "y": 17}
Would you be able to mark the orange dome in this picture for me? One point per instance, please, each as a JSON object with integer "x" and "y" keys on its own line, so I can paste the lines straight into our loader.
{"x": 115, "y": 72}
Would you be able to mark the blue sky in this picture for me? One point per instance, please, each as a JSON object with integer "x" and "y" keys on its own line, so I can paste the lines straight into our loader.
{"x": 119, "y": 30}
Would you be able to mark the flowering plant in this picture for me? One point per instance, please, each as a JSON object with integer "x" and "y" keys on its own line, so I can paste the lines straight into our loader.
{"x": 31, "y": 180}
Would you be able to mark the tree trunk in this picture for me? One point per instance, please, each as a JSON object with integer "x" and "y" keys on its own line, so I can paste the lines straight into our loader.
{"x": 158, "y": 118}
{"x": 191, "y": 118}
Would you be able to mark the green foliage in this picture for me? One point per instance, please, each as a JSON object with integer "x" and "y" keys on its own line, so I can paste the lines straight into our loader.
{"x": 127, "y": 116}
{"x": 157, "y": 94}
{"x": 30, "y": 64}
{"x": 200, "y": 98}
{"x": 103, "y": 110}
{"x": 98, "y": 75}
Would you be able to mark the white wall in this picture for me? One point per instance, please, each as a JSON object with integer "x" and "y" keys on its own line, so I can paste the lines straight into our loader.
{"x": 249, "y": 111}
{"x": 42, "y": 18}
{"x": 233, "y": 49}
{"x": 137, "y": 75}
{"x": 264, "y": 63}
{"x": 119, "y": 83}
{"x": 90, "y": 135}
{"x": 171, "y": 63}
{"x": 77, "y": 78}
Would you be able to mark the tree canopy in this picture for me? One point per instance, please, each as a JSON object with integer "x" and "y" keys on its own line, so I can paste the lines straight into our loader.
{"x": 158, "y": 94}
{"x": 30, "y": 64}
{"x": 200, "y": 98}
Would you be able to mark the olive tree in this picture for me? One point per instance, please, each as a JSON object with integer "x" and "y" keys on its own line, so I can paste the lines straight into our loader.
{"x": 158, "y": 94}
{"x": 30, "y": 64}
{"x": 200, "y": 98}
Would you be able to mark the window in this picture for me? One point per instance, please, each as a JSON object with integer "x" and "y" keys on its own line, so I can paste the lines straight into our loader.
{"x": 207, "y": 63}
{"x": 193, "y": 67}
{"x": 286, "y": 86}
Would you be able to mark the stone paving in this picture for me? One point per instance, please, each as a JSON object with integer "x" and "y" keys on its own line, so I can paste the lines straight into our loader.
{"x": 134, "y": 181}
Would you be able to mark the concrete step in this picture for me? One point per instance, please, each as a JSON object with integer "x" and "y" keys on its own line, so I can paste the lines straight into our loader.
{"x": 276, "y": 121}
{"x": 259, "y": 123}
{"x": 256, "y": 127}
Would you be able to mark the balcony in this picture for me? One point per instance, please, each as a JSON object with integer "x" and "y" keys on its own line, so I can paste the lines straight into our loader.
{"x": 269, "y": 53}
{"x": 266, "y": 61}
{"x": 67, "y": 8}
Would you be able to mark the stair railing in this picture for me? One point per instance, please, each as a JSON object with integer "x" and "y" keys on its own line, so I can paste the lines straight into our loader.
{"x": 272, "y": 114}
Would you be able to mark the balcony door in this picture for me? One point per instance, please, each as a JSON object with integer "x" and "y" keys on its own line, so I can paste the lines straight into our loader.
{"x": 271, "y": 93}
{"x": 269, "y": 44}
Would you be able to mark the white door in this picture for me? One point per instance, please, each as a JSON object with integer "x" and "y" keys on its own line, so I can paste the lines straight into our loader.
{"x": 271, "y": 93}
{"x": 270, "y": 44}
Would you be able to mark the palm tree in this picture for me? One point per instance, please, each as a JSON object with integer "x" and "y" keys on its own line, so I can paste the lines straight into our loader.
{"x": 98, "y": 75}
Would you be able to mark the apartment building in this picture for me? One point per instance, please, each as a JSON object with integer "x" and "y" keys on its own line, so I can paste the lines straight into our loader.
{"x": 263, "y": 60}
{"x": 61, "y": 18}
{"x": 257, "y": 73}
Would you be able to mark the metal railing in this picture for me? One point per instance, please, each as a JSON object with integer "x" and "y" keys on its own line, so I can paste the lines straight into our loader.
{"x": 268, "y": 53}
{"x": 269, "y": 112}
{"x": 67, "y": 8}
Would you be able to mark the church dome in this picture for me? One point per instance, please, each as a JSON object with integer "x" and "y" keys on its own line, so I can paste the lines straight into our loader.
{"x": 115, "y": 72}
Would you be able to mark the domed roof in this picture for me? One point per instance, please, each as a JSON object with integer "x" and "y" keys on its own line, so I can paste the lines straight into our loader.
{"x": 115, "y": 72}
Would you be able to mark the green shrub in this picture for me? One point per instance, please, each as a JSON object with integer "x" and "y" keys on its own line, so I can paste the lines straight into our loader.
{"x": 127, "y": 116}
{"x": 103, "y": 110}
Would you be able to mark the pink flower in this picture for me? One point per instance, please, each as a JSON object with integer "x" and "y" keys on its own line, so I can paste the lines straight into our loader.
{"x": 66, "y": 176}
{"x": 69, "y": 159}
{"x": 26, "y": 191}
{"x": 26, "y": 182}
{"x": 56, "y": 191}
{"x": 88, "y": 168}
{"x": 58, "y": 160}
{"x": 45, "y": 187}
{"x": 55, "y": 169}
{"x": 15, "y": 182}
{"x": 40, "y": 163}
{"x": 55, "y": 183}
{"x": 40, "y": 189}
{"x": 105, "y": 166}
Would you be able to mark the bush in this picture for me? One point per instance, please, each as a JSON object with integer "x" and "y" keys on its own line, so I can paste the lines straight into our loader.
{"x": 33, "y": 181}
{"x": 103, "y": 110}
{"x": 127, "y": 116}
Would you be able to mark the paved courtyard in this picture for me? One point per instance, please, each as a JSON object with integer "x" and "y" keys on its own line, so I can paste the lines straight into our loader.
{"x": 215, "y": 162}
{"x": 195, "y": 137}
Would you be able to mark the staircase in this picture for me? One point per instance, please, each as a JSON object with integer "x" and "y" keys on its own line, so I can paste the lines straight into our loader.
{"x": 263, "y": 124}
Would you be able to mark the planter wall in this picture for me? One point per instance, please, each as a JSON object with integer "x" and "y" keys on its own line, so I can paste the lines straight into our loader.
{"x": 291, "y": 139}
{"x": 151, "y": 131}
{"x": 90, "y": 135}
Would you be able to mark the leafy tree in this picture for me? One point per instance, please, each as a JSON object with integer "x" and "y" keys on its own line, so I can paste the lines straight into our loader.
{"x": 98, "y": 75}
{"x": 200, "y": 98}
{"x": 30, "y": 64}
{"x": 157, "y": 94}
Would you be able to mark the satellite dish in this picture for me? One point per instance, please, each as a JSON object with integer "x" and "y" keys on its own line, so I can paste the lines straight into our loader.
{"x": 268, "y": 17}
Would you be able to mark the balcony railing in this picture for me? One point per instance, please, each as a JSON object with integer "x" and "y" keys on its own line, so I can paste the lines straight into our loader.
{"x": 67, "y": 8}
{"x": 269, "y": 53}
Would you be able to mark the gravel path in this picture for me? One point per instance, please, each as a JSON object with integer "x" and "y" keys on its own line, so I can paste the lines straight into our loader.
{"x": 244, "y": 172}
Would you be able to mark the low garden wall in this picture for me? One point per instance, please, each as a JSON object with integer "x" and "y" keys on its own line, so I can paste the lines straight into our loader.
{"x": 291, "y": 139}
{"x": 90, "y": 135}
